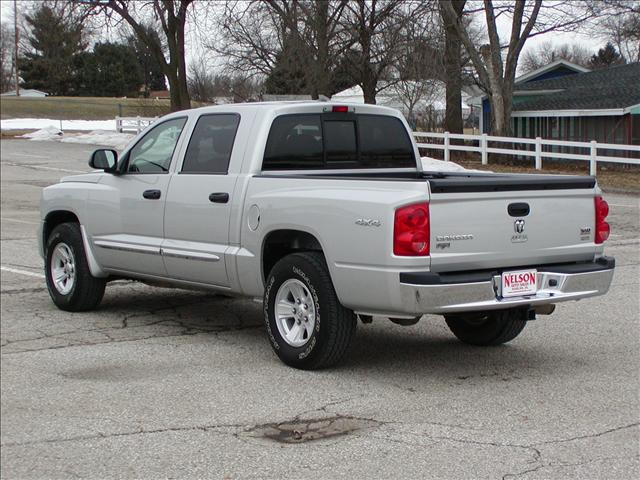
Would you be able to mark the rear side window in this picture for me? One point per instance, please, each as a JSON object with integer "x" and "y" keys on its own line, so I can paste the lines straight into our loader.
{"x": 211, "y": 143}
{"x": 316, "y": 141}
{"x": 295, "y": 142}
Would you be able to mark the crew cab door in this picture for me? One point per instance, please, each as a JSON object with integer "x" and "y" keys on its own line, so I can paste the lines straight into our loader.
{"x": 127, "y": 229}
{"x": 199, "y": 203}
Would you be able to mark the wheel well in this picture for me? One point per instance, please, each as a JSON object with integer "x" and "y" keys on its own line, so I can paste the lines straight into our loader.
{"x": 53, "y": 219}
{"x": 281, "y": 243}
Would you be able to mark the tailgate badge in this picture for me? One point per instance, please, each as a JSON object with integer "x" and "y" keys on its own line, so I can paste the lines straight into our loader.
{"x": 585, "y": 233}
{"x": 520, "y": 236}
{"x": 368, "y": 222}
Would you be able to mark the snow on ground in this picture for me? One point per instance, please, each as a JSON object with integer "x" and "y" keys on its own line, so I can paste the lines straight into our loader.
{"x": 48, "y": 133}
{"x": 40, "y": 123}
{"x": 97, "y": 137}
{"x": 432, "y": 165}
{"x": 100, "y": 137}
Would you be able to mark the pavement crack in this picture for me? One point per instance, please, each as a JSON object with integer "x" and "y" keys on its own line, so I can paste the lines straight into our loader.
{"x": 99, "y": 435}
{"x": 594, "y": 435}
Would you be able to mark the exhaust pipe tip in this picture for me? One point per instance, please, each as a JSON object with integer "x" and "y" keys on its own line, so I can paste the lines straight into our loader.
{"x": 545, "y": 309}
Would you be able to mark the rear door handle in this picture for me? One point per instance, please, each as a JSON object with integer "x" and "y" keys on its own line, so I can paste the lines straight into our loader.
{"x": 219, "y": 197}
{"x": 152, "y": 194}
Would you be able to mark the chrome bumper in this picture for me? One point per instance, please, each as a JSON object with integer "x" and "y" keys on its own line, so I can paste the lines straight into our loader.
{"x": 555, "y": 286}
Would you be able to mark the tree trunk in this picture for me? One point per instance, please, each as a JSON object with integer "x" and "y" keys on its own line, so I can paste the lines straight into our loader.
{"x": 453, "y": 71}
{"x": 321, "y": 79}
{"x": 369, "y": 89}
{"x": 178, "y": 93}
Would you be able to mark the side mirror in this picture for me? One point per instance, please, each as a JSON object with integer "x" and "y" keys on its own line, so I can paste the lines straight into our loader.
{"x": 104, "y": 159}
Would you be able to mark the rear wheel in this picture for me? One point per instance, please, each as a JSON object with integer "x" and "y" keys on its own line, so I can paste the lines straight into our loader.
{"x": 69, "y": 281}
{"x": 308, "y": 327}
{"x": 487, "y": 328}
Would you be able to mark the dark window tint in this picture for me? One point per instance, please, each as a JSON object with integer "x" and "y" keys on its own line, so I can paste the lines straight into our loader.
{"x": 384, "y": 142}
{"x": 295, "y": 142}
{"x": 340, "y": 143}
{"x": 211, "y": 143}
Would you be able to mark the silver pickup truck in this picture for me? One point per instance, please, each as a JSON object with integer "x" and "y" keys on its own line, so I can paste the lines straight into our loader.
{"x": 325, "y": 212}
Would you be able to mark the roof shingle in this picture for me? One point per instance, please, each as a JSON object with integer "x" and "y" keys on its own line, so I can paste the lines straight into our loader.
{"x": 614, "y": 87}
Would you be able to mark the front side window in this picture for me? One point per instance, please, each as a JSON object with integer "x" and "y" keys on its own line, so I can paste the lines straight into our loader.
{"x": 211, "y": 143}
{"x": 152, "y": 154}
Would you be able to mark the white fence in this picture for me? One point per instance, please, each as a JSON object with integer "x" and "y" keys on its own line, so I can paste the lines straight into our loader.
{"x": 514, "y": 147}
{"x": 133, "y": 124}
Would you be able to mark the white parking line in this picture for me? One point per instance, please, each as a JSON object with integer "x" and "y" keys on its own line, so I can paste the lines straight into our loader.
{"x": 21, "y": 272}
{"x": 42, "y": 167}
{"x": 27, "y": 155}
{"x": 5, "y": 219}
{"x": 625, "y": 206}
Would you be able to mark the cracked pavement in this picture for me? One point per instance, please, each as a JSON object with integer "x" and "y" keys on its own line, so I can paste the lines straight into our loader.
{"x": 171, "y": 383}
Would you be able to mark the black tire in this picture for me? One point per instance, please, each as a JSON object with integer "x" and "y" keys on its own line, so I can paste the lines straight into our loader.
{"x": 487, "y": 328}
{"x": 87, "y": 291}
{"x": 335, "y": 325}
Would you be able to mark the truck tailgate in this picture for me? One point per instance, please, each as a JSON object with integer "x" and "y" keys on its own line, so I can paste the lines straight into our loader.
{"x": 506, "y": 223}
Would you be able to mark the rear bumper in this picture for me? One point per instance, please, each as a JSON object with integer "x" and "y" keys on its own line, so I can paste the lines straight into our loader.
{"x": 427, "y": 292}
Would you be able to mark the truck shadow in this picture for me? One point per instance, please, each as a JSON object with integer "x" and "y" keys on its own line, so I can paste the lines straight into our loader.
{"x": 430, "y": 350}
{"x": 427, "y": 348}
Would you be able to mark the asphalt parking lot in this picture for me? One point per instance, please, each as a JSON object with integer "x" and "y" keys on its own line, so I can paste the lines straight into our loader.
{"x": 174, "y": 384}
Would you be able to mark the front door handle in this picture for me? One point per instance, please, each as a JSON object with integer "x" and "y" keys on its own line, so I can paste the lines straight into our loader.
{"x": 152, "y": 194}
{"x": 219, "y": 197}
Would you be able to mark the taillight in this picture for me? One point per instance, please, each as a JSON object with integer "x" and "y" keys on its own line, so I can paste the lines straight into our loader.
{"x": 411, "y": 230}
{"x": 602, "y": 227}
{"x": 340, "y": 109}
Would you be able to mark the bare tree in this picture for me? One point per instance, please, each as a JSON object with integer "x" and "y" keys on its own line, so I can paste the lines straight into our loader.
{"x": 201, "y": 82}
{"x": 376, "y": 27}
{"x": 623, "y": 31}
{"x": 250, "y": 36}
{"x": 417, "y": 69}
{"x": 548, "y": 52}
{"x": 496, "y": 62}
{"x": 292, "y": 39}
{"x": 166, "y": 16}
{"x": 6, "y": 57}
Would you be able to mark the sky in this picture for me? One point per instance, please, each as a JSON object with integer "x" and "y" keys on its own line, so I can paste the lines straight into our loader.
{"x": 587, "y": 40}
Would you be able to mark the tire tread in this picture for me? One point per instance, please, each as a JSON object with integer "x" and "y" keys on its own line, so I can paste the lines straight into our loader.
{"x": 89, "y": 290}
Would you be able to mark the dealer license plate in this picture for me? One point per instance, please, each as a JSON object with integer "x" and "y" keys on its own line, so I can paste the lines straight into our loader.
{"x": 522, "y": 282}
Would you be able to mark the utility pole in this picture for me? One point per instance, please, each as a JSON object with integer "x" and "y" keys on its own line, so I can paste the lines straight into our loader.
{"x": 15, "y": 53}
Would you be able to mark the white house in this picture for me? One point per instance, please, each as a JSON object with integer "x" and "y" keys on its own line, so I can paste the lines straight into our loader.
{"x": 389, "y": 97}
{"x": 25, "y": 93}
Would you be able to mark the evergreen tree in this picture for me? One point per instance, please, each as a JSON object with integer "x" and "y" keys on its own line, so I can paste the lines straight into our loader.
{"x": 111, "y": 70}
{"x": 606, "y": 57}
{"x": 153, "y": 77}
{"x": 54, "y": 41}
{"x": 289, "y": 76}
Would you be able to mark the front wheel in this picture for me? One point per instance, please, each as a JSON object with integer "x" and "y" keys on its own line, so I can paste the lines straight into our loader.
{"x": 69, "y": 280}
{"x": 307, "y": 326}
{"x": 487, "y": 328}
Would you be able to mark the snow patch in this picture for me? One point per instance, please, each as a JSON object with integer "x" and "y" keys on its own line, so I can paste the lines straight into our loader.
{"x": 432, "y": 165}
{"x": 101, "y": 137}
{"x": 48, "y": 133}
{"x": 97, "y": 137}
{"x": 42, "y": 123}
